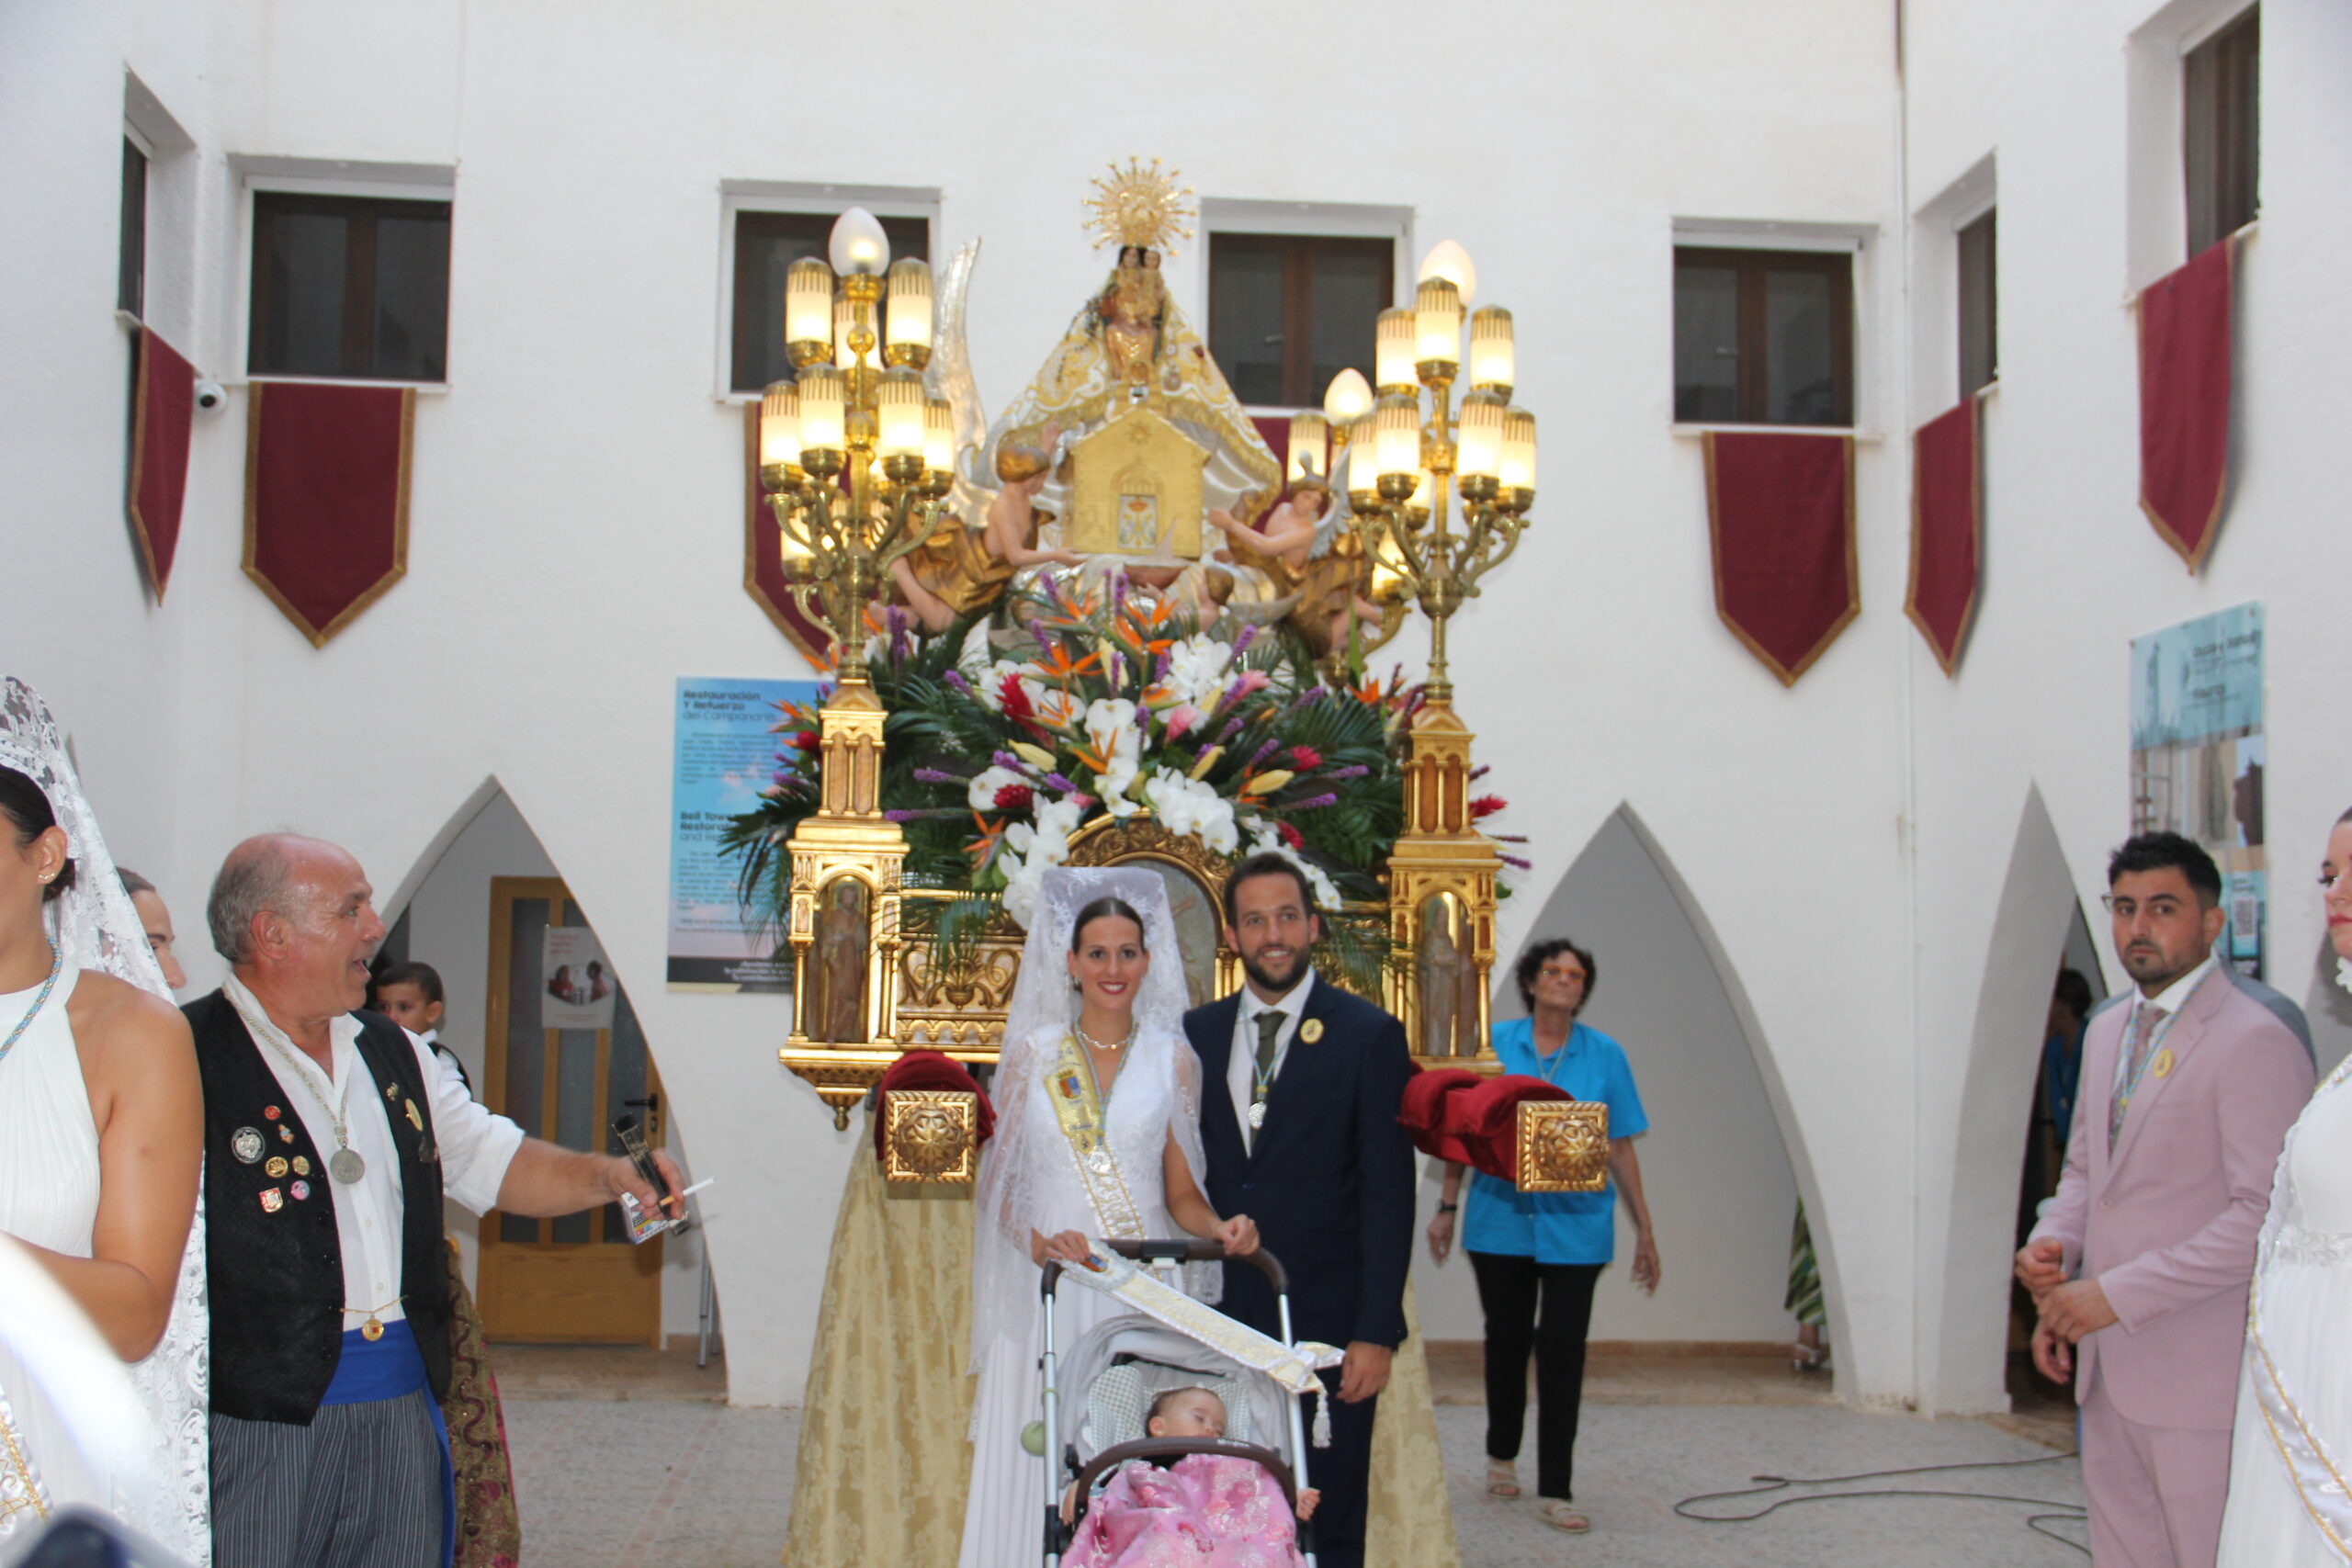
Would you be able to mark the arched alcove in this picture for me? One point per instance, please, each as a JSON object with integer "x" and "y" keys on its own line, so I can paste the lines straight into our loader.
{"x": 2038, "y": 922}
{"x": 443, "y": 909}
{"x": 1716, "y": 1163}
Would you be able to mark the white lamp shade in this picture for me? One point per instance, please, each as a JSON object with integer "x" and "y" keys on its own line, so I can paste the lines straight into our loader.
{"x": 1363, "y": 452}
{"x": 1519, "y": 449}
{"x": 1492, "y": 357}
{"x": 1310, "y": 441}
{"x": 910, "y": 319}
{"x": 938, "y": 435}
{"x": 1397, "y": 446}
{"x": 844, "y": 323}
{"x": 822, "y": 402}
{"x": 897, "y": 416}
{"x": 1481, "y": 452}
{"x": 1393, "y": 349}
{"x": 1448, "y": 260}
{"x": 780, "y": 424}
{"x": 809, "y": 301}
{"x": 1349, "y": 397}
{"x": 1437, "y": 322}
{"x": 859, "y": 244}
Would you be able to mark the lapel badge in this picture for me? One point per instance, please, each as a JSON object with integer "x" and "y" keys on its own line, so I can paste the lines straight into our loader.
{"x": 246, "y": 1144}
{"x": 285, "y": 1134}
{"x": 270, "y": 1113}
{"x": 392, "y": 1091}
{"x": 272, "y": 1200}
{"x": 301, "y": 1166}
{"x": 414, "y": 1120}
{"x": 1069, "y": 1086}
{"x": 301, "y": 1190}
{"x": 276, "y": 1167}
{"x": 2162, "y": 1065}
{"x": 1311, "y": 1030}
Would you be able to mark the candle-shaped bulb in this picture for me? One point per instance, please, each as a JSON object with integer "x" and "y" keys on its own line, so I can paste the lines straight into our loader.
{"x": 1448, "y": 260}
{"x": 1349, "y": 397}
{"x": 859, "y": 244}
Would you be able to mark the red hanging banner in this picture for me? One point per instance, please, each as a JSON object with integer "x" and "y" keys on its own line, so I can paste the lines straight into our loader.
{"x": 763, "y": 558}
{"x": 2185, "y": 402}
{"x": 1946, "y": 528}
{"x": 162, "y": 412}
{"x": 326, "y": 498}
{"x": 1781, "y": 512}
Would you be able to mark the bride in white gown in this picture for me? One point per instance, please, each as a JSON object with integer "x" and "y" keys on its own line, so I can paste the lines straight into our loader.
{"x": 100, "y": 1153}
{"x": 1097, "y": 1097}
{"x": 2290, "y": 1452}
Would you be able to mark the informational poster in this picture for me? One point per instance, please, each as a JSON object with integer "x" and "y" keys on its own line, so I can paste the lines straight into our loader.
{"x": 2196, "y": 757}
{"x": 578, "y": 990}
{"x": 725, "y": 751}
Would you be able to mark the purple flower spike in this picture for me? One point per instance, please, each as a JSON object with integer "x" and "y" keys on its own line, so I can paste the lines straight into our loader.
{"x": 1515, "y": 863}
{"x": 1045, "y": 638}
{"x": 939, "y": 775}
{"x": 1166, "y": 663}
{"x": 902, "y": 816}
{"x": 1315, "y": 803}
{"x": 1241, "y": 644}
{"x": 780, "y": 776}
{"x": 1118, "y": 590}
{"x": 1007, "y": 759}
{"x": 1352, "y": 771}
{"x": 1479, "y": 772}
{"x": 1055, "y": 782}
{"x": 1307, "y": 697}
{"x": 955, "y": 678}
{"x": 1232, "y": 728}
{"x": 1263, "y": 751}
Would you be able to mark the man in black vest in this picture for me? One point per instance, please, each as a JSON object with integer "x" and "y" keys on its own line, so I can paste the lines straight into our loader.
{"x": 331, "y": 1136}
{"x": 1301, "y": 1087}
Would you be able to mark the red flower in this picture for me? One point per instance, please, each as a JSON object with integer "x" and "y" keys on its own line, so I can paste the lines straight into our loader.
{"x": 806, "y": 740}
{"x": 1305, "y": 759}
{"x": 1291, "y": 835}
{"x": 1487, "y": 806}
{"x": 1015, "y": 797}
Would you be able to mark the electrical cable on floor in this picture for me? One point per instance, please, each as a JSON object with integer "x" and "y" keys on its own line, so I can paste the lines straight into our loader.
{"x": 2060, "y": 1512}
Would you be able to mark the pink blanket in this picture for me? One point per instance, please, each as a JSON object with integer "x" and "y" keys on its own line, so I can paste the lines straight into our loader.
{"x": 1204, "y": 1511}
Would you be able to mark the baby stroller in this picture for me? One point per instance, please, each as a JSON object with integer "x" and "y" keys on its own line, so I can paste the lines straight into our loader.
{"x": 1122, "y": 1364}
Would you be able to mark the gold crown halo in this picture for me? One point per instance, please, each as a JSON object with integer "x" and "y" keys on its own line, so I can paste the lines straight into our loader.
{"x": 1139, "y": 206}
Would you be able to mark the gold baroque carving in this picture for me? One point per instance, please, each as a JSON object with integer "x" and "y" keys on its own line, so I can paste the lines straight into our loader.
{"x": 931, "y": 1136}
{"x": 1563, "y": 1145}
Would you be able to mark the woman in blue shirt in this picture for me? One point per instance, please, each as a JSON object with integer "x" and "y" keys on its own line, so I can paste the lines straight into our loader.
{"x": 1539, "y": 1255}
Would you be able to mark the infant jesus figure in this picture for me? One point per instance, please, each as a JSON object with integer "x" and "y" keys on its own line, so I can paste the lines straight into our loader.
{"x": 1204, "y": 1511}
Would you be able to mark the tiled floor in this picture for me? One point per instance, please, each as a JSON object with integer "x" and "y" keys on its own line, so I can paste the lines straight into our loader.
{"x": 627, "y": 1458}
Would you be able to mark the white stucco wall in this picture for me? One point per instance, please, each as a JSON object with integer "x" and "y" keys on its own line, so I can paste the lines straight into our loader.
{"x": 576, "y": 524}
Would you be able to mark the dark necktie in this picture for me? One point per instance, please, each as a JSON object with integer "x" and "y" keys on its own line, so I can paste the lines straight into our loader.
{"x": 1270, "y": 1030}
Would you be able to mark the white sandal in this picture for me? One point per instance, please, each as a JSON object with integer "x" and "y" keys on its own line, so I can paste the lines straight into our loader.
{"x": 1502, "y": 1480}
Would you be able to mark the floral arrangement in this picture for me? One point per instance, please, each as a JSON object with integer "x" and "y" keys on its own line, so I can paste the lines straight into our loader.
{"x": 1000, "y": 745}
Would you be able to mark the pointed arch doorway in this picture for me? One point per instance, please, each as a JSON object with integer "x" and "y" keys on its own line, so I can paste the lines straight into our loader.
{"x": 564, "y": 1058}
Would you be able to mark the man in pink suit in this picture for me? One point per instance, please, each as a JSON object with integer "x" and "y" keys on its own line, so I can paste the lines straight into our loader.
{"x": 2144, "y": 1258}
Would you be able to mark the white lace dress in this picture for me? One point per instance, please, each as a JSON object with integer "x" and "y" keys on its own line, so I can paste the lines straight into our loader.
{"x": 1158, "y": 1088}
{"x": 49, "y": 1196}
{"x": 2291, "y": 1453}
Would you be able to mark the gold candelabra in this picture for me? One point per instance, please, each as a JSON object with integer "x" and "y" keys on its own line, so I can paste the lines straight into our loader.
{"x": 856, "y": 459}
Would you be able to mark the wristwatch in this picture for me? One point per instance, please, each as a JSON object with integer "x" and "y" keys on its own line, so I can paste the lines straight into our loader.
{"x": 1448, "y": 1208}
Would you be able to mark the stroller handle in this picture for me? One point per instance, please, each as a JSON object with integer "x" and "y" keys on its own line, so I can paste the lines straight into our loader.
{"x": 1111, "y": 1457}
{"x": 1177, "y": 1250}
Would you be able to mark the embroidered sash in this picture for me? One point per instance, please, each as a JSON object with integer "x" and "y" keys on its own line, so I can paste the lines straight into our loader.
{"x": 1077, "y": 1108}
{"x": 1293, "y": 1367}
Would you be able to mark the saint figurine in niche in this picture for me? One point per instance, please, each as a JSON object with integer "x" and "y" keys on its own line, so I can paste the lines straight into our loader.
{"x": 837, "y": 1004}
{"x": 1440, "y": 978}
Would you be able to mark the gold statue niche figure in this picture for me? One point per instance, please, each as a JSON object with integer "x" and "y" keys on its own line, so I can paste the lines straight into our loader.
{"x": 1134, "y": 310}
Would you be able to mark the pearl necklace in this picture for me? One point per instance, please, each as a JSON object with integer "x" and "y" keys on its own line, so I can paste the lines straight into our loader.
{"x": 1091, "y": 1043}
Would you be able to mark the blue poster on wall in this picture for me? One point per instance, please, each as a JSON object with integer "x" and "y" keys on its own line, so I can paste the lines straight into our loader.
{"x": 725, "y": 751}
{"x": 2196, "y": 757}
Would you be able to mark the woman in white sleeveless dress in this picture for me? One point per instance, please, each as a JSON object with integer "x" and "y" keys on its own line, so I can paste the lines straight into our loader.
{"x": 2291, "y": 1453}
{"x": 101, "y": 1147}
{"x": 1097, "y": 1097}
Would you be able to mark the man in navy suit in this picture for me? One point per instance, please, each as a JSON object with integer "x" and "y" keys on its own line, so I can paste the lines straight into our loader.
{"x": 1301, "y": 1087}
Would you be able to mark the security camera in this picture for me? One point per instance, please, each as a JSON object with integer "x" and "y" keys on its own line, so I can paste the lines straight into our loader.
{"x": 210, "y": 395}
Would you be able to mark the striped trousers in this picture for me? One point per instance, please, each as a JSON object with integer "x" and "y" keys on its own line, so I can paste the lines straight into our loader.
{"x": 359, "y": 1487}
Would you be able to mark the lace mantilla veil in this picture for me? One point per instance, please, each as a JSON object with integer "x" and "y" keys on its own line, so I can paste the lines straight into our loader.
{"x": 95, "y": 926}
{"x": 1009, "y": 1197}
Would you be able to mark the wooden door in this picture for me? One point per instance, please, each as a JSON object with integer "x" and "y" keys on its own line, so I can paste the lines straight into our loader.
{"x": 576, "y": 1279}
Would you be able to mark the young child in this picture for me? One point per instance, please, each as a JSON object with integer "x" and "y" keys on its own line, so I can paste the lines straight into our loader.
{"x": 1204, "y": 1511}
{"x": 411, "y": 996}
